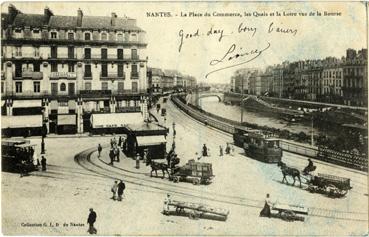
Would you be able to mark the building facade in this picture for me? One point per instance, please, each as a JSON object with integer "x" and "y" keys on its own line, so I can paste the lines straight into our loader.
{"x": 73, "y": 64}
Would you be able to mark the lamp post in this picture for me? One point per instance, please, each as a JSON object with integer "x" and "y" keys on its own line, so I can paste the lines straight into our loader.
{"x": 43, "y": 132}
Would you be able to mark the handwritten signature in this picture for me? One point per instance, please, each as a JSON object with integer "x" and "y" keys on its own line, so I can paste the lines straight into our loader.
{"x": 236, "y": 52}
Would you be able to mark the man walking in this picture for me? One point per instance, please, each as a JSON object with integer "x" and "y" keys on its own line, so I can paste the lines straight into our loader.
{"x": 114, "y": 190}
{"x": 91, "y": 220}
{"x": 99, "y": 149}
{"x": 121, "y": 187}
{"x": 111, "y": 155}
{"x": 220, "y": 151}
{"x": 43, "y": 163}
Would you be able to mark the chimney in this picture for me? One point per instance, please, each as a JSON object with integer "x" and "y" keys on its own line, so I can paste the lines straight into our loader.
{"x": 47, "y": 14}
{"x": 113, "y": 18}
{"x": 13, "y": 12}
{"x": 79, "y": 17}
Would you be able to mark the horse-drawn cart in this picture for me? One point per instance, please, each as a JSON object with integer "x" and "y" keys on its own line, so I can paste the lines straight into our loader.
{"x": 195, "y": 172}
{"x": 197, "y": 210}
{"x": 289, "y": 212}
{"x": 330, "y": 185}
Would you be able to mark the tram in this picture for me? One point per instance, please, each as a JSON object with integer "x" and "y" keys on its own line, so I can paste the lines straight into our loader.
{"x": 258, "y": 145}
{"x": 17, "y": 155}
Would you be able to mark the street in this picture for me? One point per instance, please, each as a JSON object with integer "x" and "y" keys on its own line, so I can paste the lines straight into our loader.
{"x": 70, "y": 186}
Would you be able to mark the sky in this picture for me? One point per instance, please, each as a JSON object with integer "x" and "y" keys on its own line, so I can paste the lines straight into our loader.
{"x": 252, "y": 37}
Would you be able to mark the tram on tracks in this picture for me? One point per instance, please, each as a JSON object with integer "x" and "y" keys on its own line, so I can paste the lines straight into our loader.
{"x": 17, "y": 155}
{"x": 258, "y": 145}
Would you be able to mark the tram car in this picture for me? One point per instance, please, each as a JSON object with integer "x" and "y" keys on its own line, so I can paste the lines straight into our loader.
{"x": 17, "y": 155}
{"x": 258, "y": 145}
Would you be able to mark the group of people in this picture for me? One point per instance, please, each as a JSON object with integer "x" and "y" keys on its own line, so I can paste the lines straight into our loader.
{"x": 229, "y": 150}
{"x": 118, "y": 190}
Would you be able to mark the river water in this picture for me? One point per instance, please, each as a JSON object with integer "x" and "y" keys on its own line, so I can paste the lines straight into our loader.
{"x": 233, "y": 112}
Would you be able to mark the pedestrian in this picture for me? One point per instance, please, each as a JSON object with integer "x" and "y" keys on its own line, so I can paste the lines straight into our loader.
{"x": 111, "y": 155}
{"x": 167, "y": 201}
{"x": 120, "y": 141}
{"x": 232, "y": 150}
{"x": 121, "y": 187}
{"x": 220, "y": 150}
{"x": 114, "y": 190}
{"x": 204, "y": 150}
{"x": 137, "y": 161}
{"x": 118, "y": 153}
{"x": 99, "y": 149}
{"x": 43, "y": 163}
{"x": 228, "y": 149}
{"x": 91, "y": 220}
{"x": 265, "y": 212}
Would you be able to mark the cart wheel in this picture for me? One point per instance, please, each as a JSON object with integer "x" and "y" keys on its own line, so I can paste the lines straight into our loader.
{"x": 288, "y": 215}
{"x": 175, "y": 179}
{"x": 193, "y": 215}
{"x": 195, "y": 181}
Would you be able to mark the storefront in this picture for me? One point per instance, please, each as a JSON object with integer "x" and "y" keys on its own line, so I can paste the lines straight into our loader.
{"x": 27, "y": 107}
{"x": 67, "y": 124}
{"x": 113, "y": 122}
{"x": 25, "y": 125}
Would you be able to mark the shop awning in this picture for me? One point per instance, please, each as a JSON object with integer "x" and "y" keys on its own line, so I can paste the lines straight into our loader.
{"x": 150, "y": 140}
{"x": 26, "y": 103}
{"x": 66, "y": 119}
{"x": 2, "y": 103}
{"x": 115, "y": 120}
{"x": 27, "y": 121}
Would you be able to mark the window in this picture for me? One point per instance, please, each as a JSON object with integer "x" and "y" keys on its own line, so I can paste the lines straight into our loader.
{"x": 87, "y": 53}
{"x": 70, "y": 67}
{"x": 120, "y": 53}
{"x": 18, "y": 30}
{"x": 54, "y": 67}
{"x": 70, "y": 52}
{"x": 120, "y": 70}
{"x": 54, "y": 52}
{"x": 87, "y": 36}
{"x": 104, "y": 86}
{"x": 63, "y": 87}
{"x": 88, "y": 70}
{"x": 54, "y": 35}
{"x": 36, "y": 87}
{"x": 134, "y": 86}
{"x": 18, "y": 69}
{"x": 134, "y": 54}
{"x": 134, "y": 37}
{"x": 36, "y": 31}
{"x": 104, "y": 53}
{"x": 54, "y": 88}
{"x": 134, "y": 71}
{"x": 2, "y": 87}
{"x": 37, "y": 51}
{"x": 18, "y": 87}
{"x": 120, "y": 37}
{"x": 36, "y": 67}
{"x": 120, "y": 87}
{"x": 104, "y": 36}
{"x": 88, "y": 86}
{"x": 104, "y": 70}
{"x": 18, "y": 51}
{"x": 71, "y": 36}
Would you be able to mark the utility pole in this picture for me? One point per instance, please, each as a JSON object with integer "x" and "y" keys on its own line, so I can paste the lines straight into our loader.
{"x": 312, "y": 130}
{"x": 241, "y": 99}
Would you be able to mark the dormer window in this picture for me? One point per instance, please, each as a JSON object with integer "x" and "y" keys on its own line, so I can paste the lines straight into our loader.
{"x": 54, "y": 35}
{"x": 18, "y": 30}
{"x": 36, "y": 31}
{"x": 87, "y": 36}
{"x": 120, "y": 37}
{"x": 70, "y": 35}
{"x": 104, "y": 36}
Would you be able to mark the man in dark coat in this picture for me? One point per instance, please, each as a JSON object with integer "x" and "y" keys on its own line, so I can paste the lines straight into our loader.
{"x": 91, "y": 220}
{"x": 111, "y": 155}
{"x": 99, "y": 149}
{"x": 121, "y": 187}
{"x": 204, "y": 150}
{"x": 117, "y": 153}
{"x": 43, "y": 163}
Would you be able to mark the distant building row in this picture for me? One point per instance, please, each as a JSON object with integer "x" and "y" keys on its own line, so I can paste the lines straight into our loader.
{"x": 165, "y": 80}
{"x": 331, "y": 80}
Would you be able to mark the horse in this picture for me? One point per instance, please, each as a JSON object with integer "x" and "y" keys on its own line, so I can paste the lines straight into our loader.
{"x": 155, "y": 166}
{"x": 288, "y": 171}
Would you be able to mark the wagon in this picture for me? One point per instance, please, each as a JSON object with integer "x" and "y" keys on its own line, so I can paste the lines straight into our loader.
{"x": 195, "y": 172}
{"x": 330, "y": 185}
{"x": 197, "y": 210}
{"x": 289, "y": 212}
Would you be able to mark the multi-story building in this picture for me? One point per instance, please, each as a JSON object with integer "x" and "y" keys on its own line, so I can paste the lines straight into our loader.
{"x": 355, "y": 78}
{"x": 332, "y": 80}
{"x": 240, "y": 80}
{"x": 74, "y": 65}
{"x": 156, "y": 80}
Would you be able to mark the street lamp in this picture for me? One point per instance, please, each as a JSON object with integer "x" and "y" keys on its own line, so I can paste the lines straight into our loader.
{"x": 43, "y": 132}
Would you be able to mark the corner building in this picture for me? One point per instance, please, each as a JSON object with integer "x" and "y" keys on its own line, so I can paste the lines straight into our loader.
{"x": 69, "y": 67}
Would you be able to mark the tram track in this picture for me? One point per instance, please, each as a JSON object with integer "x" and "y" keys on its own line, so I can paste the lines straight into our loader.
{"x": 83, "y": 159}
{"x": 179, "y": 115}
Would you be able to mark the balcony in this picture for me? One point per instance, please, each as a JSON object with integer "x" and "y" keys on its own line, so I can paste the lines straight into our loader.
{"x": 60, "y": 75}
{"x": 127, "y": 109}
{"x": 134, "y": 75}
{"x": 111, "y": 76}
{"x": 32, "y": 75}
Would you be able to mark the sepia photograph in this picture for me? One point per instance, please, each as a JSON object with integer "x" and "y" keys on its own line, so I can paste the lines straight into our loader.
{"x": 184, "y": 118}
